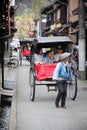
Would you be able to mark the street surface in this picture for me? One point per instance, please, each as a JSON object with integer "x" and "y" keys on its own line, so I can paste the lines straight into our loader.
{"x": 42, "y": 114}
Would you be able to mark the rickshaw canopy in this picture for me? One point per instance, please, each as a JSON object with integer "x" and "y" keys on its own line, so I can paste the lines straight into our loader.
{"x": 26, "y": 40}
{"x": 46, "y": 42}
{"x": 44, "y": 72}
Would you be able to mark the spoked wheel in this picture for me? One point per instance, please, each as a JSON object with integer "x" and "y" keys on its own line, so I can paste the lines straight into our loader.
{"x": 14, "y": 63}
{"x": 73, "y": 86}
{"x": 32, "y": 84}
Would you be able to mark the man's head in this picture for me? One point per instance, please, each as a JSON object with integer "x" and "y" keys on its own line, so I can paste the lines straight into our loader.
{"x": 65, "y": 56}
{"x": 60, "y": 50}
{"x": 49, "y": 53}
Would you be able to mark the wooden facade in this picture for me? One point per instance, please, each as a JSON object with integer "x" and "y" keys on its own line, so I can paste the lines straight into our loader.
{"x": 57, "y": 19}
{"x": 7, "y": 29}
{"x": 63, "y": 18}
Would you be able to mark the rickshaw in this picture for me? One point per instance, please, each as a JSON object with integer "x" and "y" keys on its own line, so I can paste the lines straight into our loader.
{"x": 25, "y": 49}
{"x": 41, "y": 74}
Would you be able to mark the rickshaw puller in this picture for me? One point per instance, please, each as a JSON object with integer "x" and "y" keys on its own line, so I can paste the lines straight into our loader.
{"x": 62, "y": 73}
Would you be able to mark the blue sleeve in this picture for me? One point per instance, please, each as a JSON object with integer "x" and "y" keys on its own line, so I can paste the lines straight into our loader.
{"x": 69, "y": 76}
{"x": 56, "y": 72}
{"x": 46, "y": 59}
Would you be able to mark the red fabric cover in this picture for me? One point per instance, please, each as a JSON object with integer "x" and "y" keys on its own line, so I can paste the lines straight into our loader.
{"x": 44, "y": 71}
{"x": 26, "y": 52}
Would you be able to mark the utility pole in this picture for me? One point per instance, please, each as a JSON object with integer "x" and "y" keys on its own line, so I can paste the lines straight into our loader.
{"x": 40, "y": 19}
{"x": 82, "y": 41}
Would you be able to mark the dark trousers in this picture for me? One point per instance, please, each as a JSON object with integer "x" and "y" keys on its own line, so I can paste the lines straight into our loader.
{"x": 62, "y": 92}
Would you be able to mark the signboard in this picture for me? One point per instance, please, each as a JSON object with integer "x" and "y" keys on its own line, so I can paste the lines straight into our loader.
{"x": 12, "y": 2}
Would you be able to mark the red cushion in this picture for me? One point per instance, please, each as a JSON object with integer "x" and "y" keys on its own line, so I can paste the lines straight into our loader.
{"x": 44, "y": 71}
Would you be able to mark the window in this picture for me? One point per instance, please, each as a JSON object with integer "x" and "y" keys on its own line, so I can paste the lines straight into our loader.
{"x": 58, "y": 14}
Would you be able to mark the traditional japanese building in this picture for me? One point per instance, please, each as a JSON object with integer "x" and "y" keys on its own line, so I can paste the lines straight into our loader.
{"x": 57, "y": 18}
{"x": 67, "y": 17}
{"x": 7, "y": 28}
{"x": 78, "y": 30}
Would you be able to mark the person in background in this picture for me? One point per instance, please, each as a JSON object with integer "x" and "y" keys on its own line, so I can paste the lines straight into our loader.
{"x": 74, "y": 57}
{"x": 61, "y": 74}
{"x": 28, "y": 46}
{"x": 48, "y": 58}
{"x": 59, "y": 52}
{"x": 38, "y": 57}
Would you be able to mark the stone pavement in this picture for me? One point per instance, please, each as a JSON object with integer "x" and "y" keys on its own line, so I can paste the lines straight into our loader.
{"x": 42, "y": 114}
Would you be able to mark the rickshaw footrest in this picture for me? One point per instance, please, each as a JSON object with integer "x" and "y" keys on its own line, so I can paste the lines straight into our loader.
{"x": 51, "y": 88}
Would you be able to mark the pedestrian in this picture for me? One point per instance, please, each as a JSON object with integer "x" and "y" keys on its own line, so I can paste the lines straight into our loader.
{"x": 61, "y": 74}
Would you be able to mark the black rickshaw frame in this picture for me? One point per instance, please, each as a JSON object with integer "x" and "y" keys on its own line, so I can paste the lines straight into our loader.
{"x": 46, "y": 42}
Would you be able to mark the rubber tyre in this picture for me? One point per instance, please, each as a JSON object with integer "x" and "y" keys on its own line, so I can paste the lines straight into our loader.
{"x": 73, "y": 87}
{"x": 32, "y": 84}
{"x": 20, "y": 56}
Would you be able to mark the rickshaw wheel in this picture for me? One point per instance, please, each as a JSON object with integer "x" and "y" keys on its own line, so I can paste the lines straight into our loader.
{"x": 14, "y": 63}
{"x": 20, "y": 58}
{"x": 73, "y": 86}
{"x": 32, "y": 84}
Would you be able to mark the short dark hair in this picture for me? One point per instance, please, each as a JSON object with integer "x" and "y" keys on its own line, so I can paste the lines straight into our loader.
{"x": 48, "y": 52}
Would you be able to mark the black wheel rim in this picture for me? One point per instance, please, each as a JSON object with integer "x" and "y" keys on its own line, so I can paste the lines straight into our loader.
{"x": 32, "y": 84}
{"x": 73, "y": 85}
{"x": 73, "y": 88}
